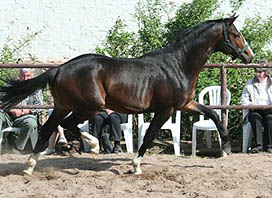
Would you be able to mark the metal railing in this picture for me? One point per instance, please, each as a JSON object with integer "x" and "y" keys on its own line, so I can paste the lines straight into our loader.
{"x": 28, "y": 65}
{"x": 224, "y": 105}
{"x": 223, "y": 72}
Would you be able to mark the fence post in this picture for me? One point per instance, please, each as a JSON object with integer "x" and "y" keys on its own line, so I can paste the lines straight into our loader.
{"x": 223, "y": 95}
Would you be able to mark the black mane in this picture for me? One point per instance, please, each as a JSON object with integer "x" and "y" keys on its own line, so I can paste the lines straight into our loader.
{"x": 192, "y": 34}
{"x": 188, "y": 35}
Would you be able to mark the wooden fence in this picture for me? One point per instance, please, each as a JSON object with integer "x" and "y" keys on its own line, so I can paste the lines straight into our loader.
{"x": 222, "y": 67}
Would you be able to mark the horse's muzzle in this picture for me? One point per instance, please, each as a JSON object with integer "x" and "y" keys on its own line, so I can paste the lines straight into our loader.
{"x": 246, "y": 59}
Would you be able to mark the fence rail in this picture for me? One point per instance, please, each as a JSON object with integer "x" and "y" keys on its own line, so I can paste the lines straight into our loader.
{"x": 222, "y": 67}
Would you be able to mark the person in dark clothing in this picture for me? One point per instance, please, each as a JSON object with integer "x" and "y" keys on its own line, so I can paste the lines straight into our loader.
{"x": 114, "y": 121}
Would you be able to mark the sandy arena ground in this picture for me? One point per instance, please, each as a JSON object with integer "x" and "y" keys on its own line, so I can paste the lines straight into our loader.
{"x": 238, "y": 175}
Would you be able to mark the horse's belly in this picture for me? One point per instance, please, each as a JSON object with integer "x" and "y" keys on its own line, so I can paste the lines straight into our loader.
{"x": 127, "y": 104}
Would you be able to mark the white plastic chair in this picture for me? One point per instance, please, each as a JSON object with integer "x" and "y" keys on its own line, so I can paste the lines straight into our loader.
{"x": 247, "y": 136}
{"x": 33, "y": 136}
{"x": 128, "y": 135}
{"x": 208, "y": 125}
{"x": 174, "y": 127}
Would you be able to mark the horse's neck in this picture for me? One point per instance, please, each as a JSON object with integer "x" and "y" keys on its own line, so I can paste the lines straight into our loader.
{"x": 193, "y": 52}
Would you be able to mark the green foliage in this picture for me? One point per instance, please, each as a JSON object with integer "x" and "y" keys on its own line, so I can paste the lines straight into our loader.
{"x": 236, "y": 4}
{"x": 189, "y": 15}
{"x": 119, "y": 43}
{"x": 12, "y": 53}
{"x": 153, "y": 33}
{"x": 151, "y": 29}
{"x": 258, "y": 33}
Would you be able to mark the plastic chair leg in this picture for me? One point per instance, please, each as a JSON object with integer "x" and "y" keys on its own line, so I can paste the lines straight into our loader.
{"x": 194, "y": 142}
{"x": 209, "y": 139}
{"x": 141, "y": 134}
{"x": 176, "y": 142}
{"x": 246, "y": 136}
{"x": 1, "y": 140}
{"x": 219, "y": 140}
{"x": 129, "y": 140}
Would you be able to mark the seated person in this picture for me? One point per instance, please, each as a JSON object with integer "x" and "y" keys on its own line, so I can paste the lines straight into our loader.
{"x": 51, "y": 149}
{"x": 26, "y": 119}
{"x": 58, "y": 133}
{"x": 258, "y": 91}
{"x": 113, "y": 119}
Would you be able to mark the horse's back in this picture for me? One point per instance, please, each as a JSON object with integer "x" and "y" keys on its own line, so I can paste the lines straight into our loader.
{"x": 124, "y": 85}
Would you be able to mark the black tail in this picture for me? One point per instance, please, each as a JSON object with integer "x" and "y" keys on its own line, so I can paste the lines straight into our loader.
{"x": 16, "y": 90}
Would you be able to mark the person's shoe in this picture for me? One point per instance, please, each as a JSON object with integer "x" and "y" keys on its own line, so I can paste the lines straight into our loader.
{"x": 256, "y": 149}
{"x": 117, "y": 149}
{"x": 48, "y": 152}
{"x": 62, "y": 140}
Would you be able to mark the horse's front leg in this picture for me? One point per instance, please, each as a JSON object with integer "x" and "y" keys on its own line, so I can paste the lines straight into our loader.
{"x": 210, "y": 113}
{"x": 159, "y": 119}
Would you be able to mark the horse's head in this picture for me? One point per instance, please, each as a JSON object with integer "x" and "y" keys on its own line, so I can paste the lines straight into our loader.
{"x": 233, "y": 42}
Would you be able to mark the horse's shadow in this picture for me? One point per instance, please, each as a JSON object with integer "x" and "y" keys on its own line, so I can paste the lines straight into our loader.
{"x": 65, "y": 165}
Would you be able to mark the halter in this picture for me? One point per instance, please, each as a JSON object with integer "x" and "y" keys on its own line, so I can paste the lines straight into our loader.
{"x": 228, "y": 43}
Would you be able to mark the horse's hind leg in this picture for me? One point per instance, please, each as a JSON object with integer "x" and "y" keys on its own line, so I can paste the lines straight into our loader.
{"x": 159, "y": 119}
{"x": 71, "y": 123}
{"x": 210, "y": 113}
{"x": 45, "y": 133}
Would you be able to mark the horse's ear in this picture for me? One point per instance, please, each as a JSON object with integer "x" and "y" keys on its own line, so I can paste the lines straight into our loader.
{"x": 232, "y": 19}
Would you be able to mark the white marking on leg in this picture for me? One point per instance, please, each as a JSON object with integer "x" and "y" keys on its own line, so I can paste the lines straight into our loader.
{"x": 136, "y": 163}
{"x": 223, "y": 153}
{"x": 225, "y": 149}
{"x": 92, "y": 141}
{"x": 31, "y": 163}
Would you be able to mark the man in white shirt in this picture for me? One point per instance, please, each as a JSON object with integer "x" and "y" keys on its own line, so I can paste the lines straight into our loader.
{"x": 258, "y": 91}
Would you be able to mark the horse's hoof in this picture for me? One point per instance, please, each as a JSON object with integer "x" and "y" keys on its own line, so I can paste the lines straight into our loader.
{"x": 137, "y": 169}
{"x": 226, "y": 149}
{"x": 95, "y": 150}
{"x": 137, "y": 172}
{"x": 91, "y": 140}
{"x": 28, "y": 172}
{"x": 136, "y": 163}
{"x": 224, "y": 154}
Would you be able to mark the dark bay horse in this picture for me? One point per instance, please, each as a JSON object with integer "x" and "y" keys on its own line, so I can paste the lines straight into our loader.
{"x": 161, "y": 81}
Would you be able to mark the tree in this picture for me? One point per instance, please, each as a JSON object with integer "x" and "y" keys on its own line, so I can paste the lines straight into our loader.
{"x": 153, "y": 33}
{"x": 11, "y": 53}
{"x": 189, "y": 15}
{"x": 119, "y": 43}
